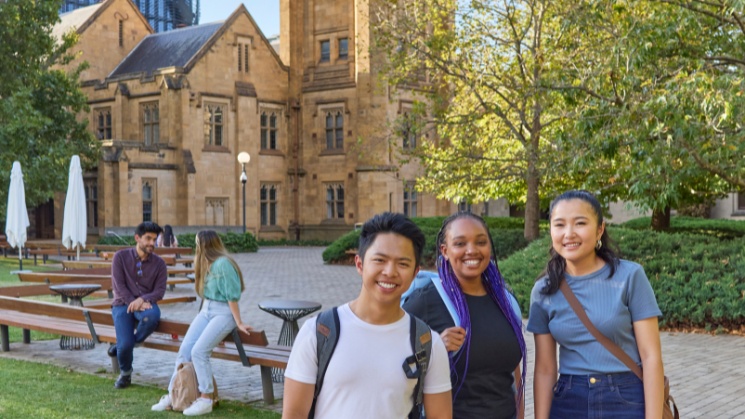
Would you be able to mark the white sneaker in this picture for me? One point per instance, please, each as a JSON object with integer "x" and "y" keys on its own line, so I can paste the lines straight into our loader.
{"x": 163, "y": 404}
{"x": 201, "y": 406}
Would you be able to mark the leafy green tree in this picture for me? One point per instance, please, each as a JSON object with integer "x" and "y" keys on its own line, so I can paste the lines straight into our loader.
{"x": 494, "y": 74}
{"x": 39, "y": 100}
{"x": 663, "y": 128}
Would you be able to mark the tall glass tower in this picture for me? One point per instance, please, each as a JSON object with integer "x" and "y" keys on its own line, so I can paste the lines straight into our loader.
{"x": 163, "y": 15}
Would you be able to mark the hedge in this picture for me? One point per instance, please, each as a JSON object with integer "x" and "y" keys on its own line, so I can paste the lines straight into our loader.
{"x": 507, "y": 233}
{"x": 699, "y": 280}
{"x": 117, "y": 240}
{"x": 235, "y": 243}
{"x": 724, "y": 229}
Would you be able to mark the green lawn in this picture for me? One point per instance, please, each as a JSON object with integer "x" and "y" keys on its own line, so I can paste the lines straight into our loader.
{"x": 9, "y": 264}
{"x": 49, "y": 392}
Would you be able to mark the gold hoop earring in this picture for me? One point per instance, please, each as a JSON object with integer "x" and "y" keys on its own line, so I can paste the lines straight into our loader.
{"x": 599, "y": 245}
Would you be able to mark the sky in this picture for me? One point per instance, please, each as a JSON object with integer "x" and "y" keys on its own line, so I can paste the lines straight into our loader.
{"x": 264, "y": 12}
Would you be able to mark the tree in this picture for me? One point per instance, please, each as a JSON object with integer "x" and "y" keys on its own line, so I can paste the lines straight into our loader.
{"x": 663, "y": 129}
{"x": 638, "y": 101}
{"x": 39, "y": 101}
{"x": 492, "y": 65}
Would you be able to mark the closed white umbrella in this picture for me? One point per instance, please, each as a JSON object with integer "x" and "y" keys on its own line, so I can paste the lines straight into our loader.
{"x": 16, "y": 221}
{"x": 75, "y": 223}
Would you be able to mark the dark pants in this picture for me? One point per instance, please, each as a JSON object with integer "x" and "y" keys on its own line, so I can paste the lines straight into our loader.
{"x": 126, "y": 334}
{"x": 600, "y": 396}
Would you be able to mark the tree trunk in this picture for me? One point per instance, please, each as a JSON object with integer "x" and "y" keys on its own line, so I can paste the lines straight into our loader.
{"x": 532, "y": 210}
{"x": 532, "y": 200}
{"x": 661, "y": 219}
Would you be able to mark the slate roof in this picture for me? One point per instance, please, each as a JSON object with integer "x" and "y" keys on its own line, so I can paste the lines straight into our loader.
{"x": 166, "y": 49}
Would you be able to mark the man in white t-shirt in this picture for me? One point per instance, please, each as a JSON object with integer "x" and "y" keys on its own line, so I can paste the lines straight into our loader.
{"x": 365, "y": 376}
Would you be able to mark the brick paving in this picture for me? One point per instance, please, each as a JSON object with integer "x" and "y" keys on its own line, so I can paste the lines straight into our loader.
{"x": 707, "y": 373}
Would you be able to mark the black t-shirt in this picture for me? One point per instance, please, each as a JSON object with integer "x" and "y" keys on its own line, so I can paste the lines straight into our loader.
{"x": 494, "y": 354}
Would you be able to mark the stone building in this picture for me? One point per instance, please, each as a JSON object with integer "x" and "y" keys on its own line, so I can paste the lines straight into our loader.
{"x": 173, "y": 110}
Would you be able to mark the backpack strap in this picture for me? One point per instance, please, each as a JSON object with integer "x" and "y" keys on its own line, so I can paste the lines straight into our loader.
{"x": 445, "y": 299}
{"x": 327, "y": 336}
{"x": 420, "y": 336}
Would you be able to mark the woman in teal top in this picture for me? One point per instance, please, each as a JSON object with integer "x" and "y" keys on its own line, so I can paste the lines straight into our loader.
{"x": 219, "y": 282}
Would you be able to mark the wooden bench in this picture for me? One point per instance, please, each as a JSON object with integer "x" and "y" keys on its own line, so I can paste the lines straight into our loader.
{"x": 110, "y": 248}
{"x": 61, "y": 277}
{"x": 98, "y": 325}
{"x": 103, "y": 262}
{"x": 106, "y": 297}
{"x": 86, "y": 275}
{"x": 105, "y": 304}
{"x": 43, "y": 289}
{"x": 4, "y": 244}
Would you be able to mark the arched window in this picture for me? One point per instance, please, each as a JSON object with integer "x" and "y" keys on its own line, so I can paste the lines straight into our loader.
{"x": 268, "y": 198}
{"x": 150, "y": 123}
{"x": 335, "y": 201}
{"x": 148, "y": 197}
{"x": 268, "y": 131}
{"x": 334, "y": 130}
{"x": 408, "y": 131}
{"x": 213, "y": 124}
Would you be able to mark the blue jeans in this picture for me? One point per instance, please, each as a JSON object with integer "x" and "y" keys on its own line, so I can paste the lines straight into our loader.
{"x": 126, "y": 334}
{"x": 209, "y": 327}
{"x": 601, "y": 396}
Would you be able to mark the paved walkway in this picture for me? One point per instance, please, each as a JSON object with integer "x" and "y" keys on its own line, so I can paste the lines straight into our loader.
{"x": 706, "y": 372}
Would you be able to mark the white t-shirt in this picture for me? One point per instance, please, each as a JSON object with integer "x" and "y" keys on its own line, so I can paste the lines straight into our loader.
{"x": 365, "y": 377}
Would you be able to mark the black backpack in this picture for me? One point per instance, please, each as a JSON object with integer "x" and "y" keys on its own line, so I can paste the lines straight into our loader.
{"x": 327, "y": 336}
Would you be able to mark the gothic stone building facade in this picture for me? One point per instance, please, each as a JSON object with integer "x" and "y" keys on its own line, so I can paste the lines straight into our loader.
{"x": 173, "y": 110}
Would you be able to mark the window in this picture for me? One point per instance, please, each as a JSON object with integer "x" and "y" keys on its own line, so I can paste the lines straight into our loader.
{"x": 408, "y": 131}
{"x": 411, "y": 200}
{"x": 325, "y": 51}
{"x": 334, "y": 130}
{"x": 213, "y": 124}
{"x": 741, "y": 201}
{"x": 268, "y": 198}
{"x": 103, "y": 126}
{"x": 91, "y": 202}
{"x": 243, "y": 56}
{"x": 148, "y": 197}
{"x": 335, "y": 201}
{"x": 150, "y": 123}
{"x": 268, "y": 131}
{"x": 343, "y": 48}
{"x": 121, "y": 33}
{"x": 215, "y": 210}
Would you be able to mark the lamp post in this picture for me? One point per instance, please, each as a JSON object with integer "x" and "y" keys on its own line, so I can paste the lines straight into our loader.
{"x": 243, "y": 159}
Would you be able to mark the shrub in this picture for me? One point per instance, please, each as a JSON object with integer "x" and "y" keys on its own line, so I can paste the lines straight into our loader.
{"x": 235, "y": 243}
{"x": 507, "y": 240}
{"x": 336, "y": 252}
{"x": 286, "y": 242}
{"x": 117, "y": 240}
{"x": 724, "y": 229}
{"x": 699, "y": 281}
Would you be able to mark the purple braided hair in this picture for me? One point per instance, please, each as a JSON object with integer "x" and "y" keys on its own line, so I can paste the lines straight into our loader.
{"x": 495, "y": 288}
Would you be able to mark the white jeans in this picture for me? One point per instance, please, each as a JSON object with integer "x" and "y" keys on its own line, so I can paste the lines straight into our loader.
{"x": 212, "y": 324}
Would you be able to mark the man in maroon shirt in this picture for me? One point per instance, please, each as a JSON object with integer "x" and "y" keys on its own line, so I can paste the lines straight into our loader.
{"x": 138, "y": 277}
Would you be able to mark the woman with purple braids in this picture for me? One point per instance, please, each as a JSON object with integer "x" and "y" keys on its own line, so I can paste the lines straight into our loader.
{"x": 485, "y": 342}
